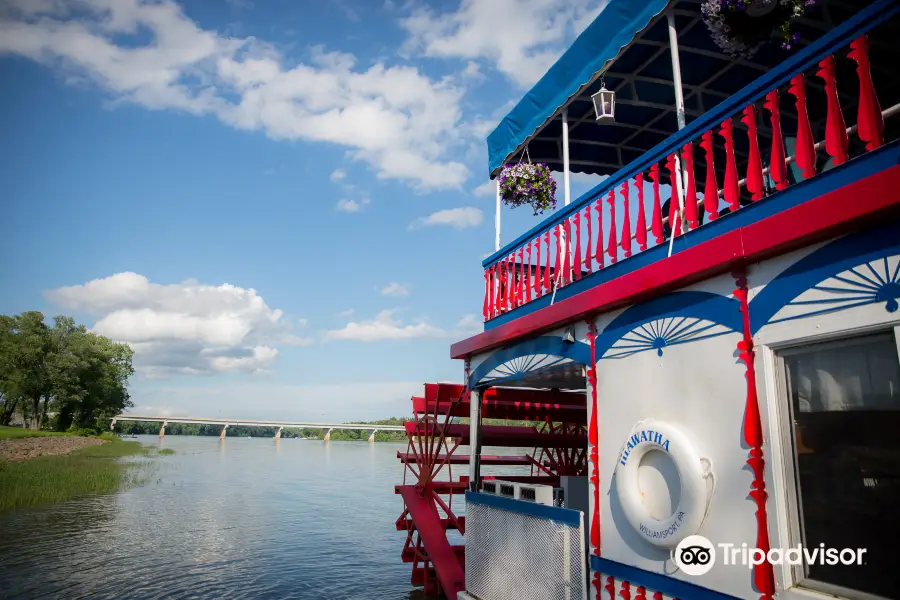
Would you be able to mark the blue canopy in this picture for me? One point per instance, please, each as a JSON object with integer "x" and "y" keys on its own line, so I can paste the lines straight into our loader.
{"x": 612, "y": 30}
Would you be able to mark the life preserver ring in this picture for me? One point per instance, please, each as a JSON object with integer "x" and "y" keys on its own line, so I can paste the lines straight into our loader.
{"x": 694, "y": 472}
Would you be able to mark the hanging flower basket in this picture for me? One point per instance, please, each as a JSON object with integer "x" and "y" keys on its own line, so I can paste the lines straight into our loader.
{"x": 740, "y": 27}
{"x": 530, "y": 184}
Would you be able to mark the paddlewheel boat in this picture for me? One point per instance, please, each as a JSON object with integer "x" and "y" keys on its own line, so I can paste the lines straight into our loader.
{"x": 694, "y": 366}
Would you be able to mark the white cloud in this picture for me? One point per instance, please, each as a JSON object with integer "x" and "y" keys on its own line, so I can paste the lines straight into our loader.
{"x": 488, "y": 188}
{"x": 394, "y": 289}
{"x": 351, "y": 206}
{"x": 187, "y": 328}
{"x": 338, "y": 175}
{"x": 520, "y": 38}
{"x": 384, "y": 327}
{"x": 469, "y": 325}
{"x": 346, "y": 314}
{"x": 458, "y": 218}
{"x": 394, "y": 118}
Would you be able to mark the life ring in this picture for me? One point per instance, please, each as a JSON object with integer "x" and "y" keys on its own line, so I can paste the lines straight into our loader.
{"x": 694, "y": 473}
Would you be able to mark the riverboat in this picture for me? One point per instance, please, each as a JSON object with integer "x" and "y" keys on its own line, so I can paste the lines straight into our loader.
{"x": 706, "y": 345}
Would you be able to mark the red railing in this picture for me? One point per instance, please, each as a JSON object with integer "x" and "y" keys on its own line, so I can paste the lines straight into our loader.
{"x": 582, "y": 243}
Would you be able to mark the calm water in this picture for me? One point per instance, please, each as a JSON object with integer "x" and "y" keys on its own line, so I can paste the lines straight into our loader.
{"x": 247, "y": 518}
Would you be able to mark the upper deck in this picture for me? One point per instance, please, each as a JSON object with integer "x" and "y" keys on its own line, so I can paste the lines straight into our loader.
{"x": 761, "y": 155}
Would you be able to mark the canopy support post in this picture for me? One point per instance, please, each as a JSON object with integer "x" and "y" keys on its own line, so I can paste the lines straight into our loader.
{"x": 567, "y": 193}
{"x": 678, "y": 187}
{"x": 497, "y": 220}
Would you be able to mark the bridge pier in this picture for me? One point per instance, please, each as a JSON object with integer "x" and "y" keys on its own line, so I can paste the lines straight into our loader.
{"x": 372, "y": 436}
{"x": 328, "y": 436}
{"x": 278, "y": 433}
{"x": 222, "y": 435}
{"x": 162, "y": 430}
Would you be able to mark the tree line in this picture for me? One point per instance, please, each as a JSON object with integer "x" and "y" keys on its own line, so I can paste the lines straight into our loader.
{"x": 152, "y": 428}
{"x": 60, "y": 376}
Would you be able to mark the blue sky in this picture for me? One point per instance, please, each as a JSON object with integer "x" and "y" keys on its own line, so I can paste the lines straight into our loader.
{"x": 280, "y": 205}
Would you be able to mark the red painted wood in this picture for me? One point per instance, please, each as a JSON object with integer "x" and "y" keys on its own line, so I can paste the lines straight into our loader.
{"x": 557, "y": 232}
{"x": 611, "y": 587}
{"x": 690, "y": 200}
{"x": 576, "y": 264}
{"x": 594, "y": 440}
{"x": 711, "y": 189}
{"x": 625, "y": 590}
{"x": 805, "y": 153}
{"x": 777, "y": 166}
{"x": 510, "y": 282}
{"x": 498, "y": 292}
{"x": 598, "y": 255}
{"x": 528, "y": 270}
{"x": 754, "y": 161}
{"x": 487, "y": 293}
{"x": 640, "y": 234}
{"x": 831, "y": 214}
{"x": 539, "y": 276}
{"x": 869, "y": 120}
{"x": 656, "y": 225}
{"x": 732, "y": 187}
{"x": 588, "y": 258}
{"x": 520, "y": 287}
{"x": 626, "y": 222}
{"x": 675, "y": 216}
{"x": 547, "y": 270}
{"x": 836, "y": 142}
{"x": 641, "y": 593}
{"x": 612, "y": 249}
{"x": 567, "y": 251}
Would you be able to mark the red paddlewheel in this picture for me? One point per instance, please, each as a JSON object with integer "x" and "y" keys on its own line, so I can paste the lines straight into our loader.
{"x": 560, "y": 461}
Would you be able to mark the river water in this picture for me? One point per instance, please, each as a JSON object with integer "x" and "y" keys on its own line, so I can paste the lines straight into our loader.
{"x": 244, "y": 518}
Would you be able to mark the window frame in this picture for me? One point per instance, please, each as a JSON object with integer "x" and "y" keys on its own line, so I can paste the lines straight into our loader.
{"x": 780, "y": 469}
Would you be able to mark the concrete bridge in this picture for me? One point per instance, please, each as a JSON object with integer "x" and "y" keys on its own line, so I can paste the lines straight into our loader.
{"x": 225, "y": 423}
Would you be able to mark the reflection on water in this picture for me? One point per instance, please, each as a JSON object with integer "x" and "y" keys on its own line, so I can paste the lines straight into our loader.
{"x": 243, "y": 518}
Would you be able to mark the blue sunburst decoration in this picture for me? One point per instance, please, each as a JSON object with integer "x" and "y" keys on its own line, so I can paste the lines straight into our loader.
{"x": 519, "y": 367}
{"x": 874, "y": 282}
{"x": 661, "y": 333}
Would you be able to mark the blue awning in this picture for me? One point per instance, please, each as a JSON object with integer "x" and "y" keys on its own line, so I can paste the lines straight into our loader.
{"x": 612, "y": 30}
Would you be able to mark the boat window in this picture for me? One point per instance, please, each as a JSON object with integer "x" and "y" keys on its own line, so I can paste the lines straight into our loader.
{"x": 845, "y": 407}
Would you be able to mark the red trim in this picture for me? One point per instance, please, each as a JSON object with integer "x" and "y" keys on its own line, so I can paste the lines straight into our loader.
{"x": 831, "y": 214}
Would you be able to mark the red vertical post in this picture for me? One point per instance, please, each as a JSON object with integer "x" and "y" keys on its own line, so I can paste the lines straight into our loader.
{"x": 498, "y": 284}
{"x": 836, "y": 142}
{"x": 528, "y": 273}
{"x": 612, "y": 246}
{"x": 567, "y": 248}
{"x": 732, "y": 187}
{"x": 538, "y": 275}
{"x": 547, "y": 270}
{"x": 626, "y": 222}
{"x": 487, "y": 293}
{"x": 711, "y": 189}
{"x": 510, "y": 282}
{"x": 674, "y": 201}
{"x": 690, "y": 200}
{"x": 503, "y": 287}
{"x": 588, "y": 259}
{"x": 598, "y": 254}
{"x": 869, "y": 120}
{"x": 805, "y": 154}
{"x": 656, "y": 224}
{"x": 754, "y": 161}
{"x": 576, "y": 259}
{"x": 557, "y": 233}
{"x": 777, "y": 166}
{"x": 640, "y": 234}
{"x": 520, "y": 288}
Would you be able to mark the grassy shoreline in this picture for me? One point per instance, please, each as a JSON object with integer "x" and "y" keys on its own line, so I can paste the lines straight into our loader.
{"x": 98, "y": 469}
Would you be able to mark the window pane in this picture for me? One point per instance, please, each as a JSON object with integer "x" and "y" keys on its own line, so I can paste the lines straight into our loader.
{"x": 845, "y": 400}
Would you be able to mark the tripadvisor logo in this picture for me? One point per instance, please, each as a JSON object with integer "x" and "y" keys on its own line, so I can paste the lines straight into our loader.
{"x": 696, "y": 555}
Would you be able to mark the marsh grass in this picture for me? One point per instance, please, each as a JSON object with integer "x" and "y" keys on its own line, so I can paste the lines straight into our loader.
{"x": 16, "y": 433}
{"x": 166, "y": 451}
{"x": 96, "y": 469}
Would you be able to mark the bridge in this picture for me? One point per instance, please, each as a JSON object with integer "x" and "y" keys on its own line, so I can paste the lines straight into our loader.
{"x": 226, "y": 423}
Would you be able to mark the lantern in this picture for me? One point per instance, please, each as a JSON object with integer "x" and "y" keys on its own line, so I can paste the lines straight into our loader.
{"x": 604, "y": 104}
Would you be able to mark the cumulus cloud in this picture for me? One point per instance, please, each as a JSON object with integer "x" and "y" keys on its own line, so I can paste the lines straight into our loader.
{"x": 489, "y": 188}
{"x": 183, "y": 328}
{"x": 458, "y": 218}
{"x": 520, "y": 38}
{"x": 394, "y": 289}
{"x": 385, "y": 326}
{"x": 351, "y": 206}
{"x": 394, "y": 118}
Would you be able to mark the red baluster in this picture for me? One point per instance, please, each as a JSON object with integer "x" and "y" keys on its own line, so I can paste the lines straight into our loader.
{"x": 528, "y": 274}
{"x": 658, "y": 596}
{"x": 836, "y": 141}
{"x": 567, "y": 249}
{"x": 732, "y": 187}
{"x": 612, "y": 246}
{"x": 598, "y": 254}
{"x": 754, "y": 161}
{"x": 711, "y": 190}
{"x": 777, "y": 166}
{"x": 869, "y": 120}
{"x": 557, "y": 232}
{"x": 805, "y": 154}
{"x": 610, "y": 587}
{"x": 547, "y": 270}
{"x": 675, "y": 201}
{"x": 690, "y": 201}
{"x": 656, "y": 224}
{"x": 501, "y": 287}
{"x": 538, "y": 275}
{"x": 510, "y": 282}
{"x": 641, "y": 593}
{"x": 626, "y": 222}
{"x": 640, "y": 235}
{"x": 498, "y": 284}
{"x": 487, "y": 293}
{"x": 625, "y": 591}
{"x": 576, "y": 262}
{"x": 588, "y": 259}
{"x": 520, "y": 288}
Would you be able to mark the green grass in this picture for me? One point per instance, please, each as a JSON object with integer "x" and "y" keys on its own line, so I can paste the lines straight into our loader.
{"x": 53, "y": 479}
{"x": 16, "y": 433}
{"x": 166, "y": 451}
